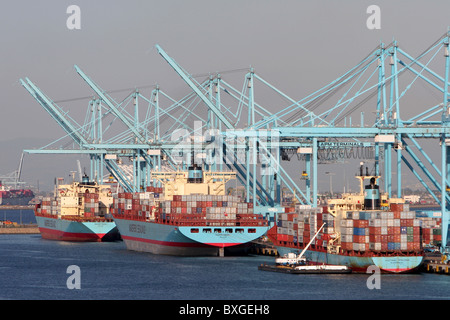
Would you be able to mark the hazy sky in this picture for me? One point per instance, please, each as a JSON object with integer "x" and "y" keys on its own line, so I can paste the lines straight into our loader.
{"x": 299, "y": 46}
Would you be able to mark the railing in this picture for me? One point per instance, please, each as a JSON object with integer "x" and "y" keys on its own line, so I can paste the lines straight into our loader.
{"x": 200, "y": 220}
{"x": 75, "y": 218}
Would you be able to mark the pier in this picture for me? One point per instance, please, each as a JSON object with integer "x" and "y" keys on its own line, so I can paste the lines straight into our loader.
{"x": 20, "y": 229}
{"x": 263, "y": 248}
{"x": 436, "y": 263}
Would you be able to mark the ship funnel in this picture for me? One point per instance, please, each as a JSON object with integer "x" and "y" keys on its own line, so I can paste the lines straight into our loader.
{"x": 85, "y": 179}
{"x": 372, "y": 196}
{"x": 195, "y": 174}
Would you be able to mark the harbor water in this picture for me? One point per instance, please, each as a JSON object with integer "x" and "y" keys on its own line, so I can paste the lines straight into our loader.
{"x": 33, "y": 269}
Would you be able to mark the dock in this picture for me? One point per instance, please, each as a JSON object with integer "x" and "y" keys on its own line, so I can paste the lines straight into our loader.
{"x": 436, "y": 263}
{"x": 265, "y": 248}
{"x": 20, "y": 229}
{"x": 8, "y": 207}
{"x": 438, "y": 267}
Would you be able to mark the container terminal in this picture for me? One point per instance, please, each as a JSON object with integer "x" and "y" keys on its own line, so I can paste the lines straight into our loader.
{"x": 224, "y": 127}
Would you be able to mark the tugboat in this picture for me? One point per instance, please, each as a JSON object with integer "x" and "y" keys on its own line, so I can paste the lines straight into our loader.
{"x": 298, "y": 264}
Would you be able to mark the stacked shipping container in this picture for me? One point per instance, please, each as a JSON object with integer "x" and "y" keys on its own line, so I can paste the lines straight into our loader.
{"x": 137, "y": 204}
{"x": 146, "y": 205}
{"x": 49, "y": 205}
{"x": 431, "y": 230}
{"x": 381, "y": 230}
{"x": 362, "y": 231}
{"x": 91, "y": 204}
{"x": 299, "y": 224}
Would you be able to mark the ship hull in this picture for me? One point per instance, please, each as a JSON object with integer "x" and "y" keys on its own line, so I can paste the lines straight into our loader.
{"x": 359, "y": 264}
{"x": 80, "y": 231}
{"x": 165, "y": 239}
{"x": 16, "y": 201}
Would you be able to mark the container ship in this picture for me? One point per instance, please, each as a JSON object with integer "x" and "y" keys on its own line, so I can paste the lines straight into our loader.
{"x": 360, "y": 230}
{"x": 190, "y": 215}
{"x": 78, "y": 212}
{"x": 15, "y": 197}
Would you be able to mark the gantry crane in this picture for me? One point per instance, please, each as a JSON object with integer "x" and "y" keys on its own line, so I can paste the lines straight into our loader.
{"x": 318, "y": 127}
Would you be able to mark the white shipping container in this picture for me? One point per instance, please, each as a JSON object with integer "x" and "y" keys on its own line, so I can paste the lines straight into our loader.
{"x": 346, "y": 223}
{"x": 346, "y": 238}
{"x": 328, "y": 230}
{"x": 375, "y": 246}
{"x": 347, "y": 231}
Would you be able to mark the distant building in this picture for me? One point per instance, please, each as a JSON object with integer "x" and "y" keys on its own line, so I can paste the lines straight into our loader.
{"x": 412, "y": 199}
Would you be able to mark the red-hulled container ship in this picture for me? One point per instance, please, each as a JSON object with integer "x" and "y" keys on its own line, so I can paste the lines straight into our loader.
{"x": 189, "y": 216}
{"x": 78, "y": 212}
{"x": 361, "y": 230}
{"x": 15, "y": 197}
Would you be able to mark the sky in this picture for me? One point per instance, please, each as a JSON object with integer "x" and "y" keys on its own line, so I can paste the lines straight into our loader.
{"x": 299, "y": 46}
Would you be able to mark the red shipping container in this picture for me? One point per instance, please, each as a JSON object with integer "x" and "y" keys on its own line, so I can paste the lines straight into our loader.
{"x": 397, "y": 214}
{"x": 359, "y": 239}
{"x": 347, "y": 245}
{"x": 396, "y": 207}
{"x": 326, "y": 237}
{"x": 375, "y": 238}
{"x": 360, "y": 223}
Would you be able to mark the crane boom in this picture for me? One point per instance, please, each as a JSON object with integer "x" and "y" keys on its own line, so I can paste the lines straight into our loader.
{"x": 191, "y": 84}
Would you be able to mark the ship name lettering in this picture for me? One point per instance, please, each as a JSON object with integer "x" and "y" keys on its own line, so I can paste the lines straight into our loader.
{"x": 50, "y": 223}
{"x": 137, "y": 228}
